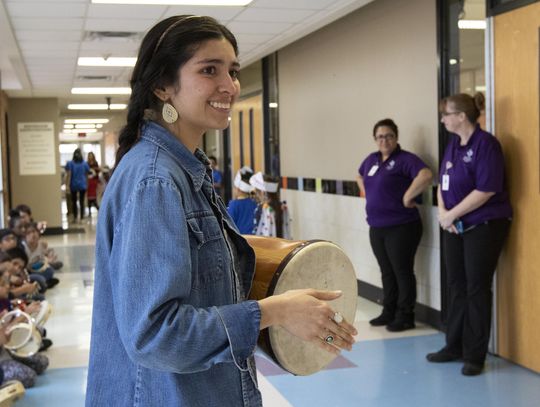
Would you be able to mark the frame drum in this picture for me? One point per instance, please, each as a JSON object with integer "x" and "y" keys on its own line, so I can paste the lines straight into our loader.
{"x": 24, "y": 339}
{"x": 10, "y": 392}
{"x": 39, "y": 318}
{"x": 283, "y": 265}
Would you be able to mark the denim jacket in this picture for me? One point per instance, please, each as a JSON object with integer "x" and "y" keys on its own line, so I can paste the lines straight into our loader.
{"x": 171, "y": 325}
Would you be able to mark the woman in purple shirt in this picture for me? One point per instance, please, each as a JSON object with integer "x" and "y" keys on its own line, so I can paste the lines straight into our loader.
{"x": 475, "y": 213}
{"x": 390, "y": 179}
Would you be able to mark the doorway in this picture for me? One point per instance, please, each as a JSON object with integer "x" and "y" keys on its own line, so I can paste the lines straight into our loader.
{"x": 66, "y": 154}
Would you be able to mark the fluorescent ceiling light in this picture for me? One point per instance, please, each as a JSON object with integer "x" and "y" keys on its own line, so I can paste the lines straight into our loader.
{"x": 101, "y": 91}
{"x": 178, "y": 2}
{"x": 68, "y": 126}
{"x": 86, "y": 121}
{"x": 85, "y": 126}
{"x": 273, "y": 105}
{"x": 96, "y": 106}
{"x": 110, "y": 61}
{"x": 99, "y": 126}
{"x": 472, "y": 24}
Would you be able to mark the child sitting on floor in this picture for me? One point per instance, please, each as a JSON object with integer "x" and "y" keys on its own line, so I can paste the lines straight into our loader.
{"x": 23, "y": 369}
{"x": 39, "y": 257}
{"x": 24, "y": 285}
{"x": 8, "y": 240}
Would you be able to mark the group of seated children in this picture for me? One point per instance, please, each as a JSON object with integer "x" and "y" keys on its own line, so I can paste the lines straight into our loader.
{"x": 27, "y": 271}
{"x": 256, "y": 208}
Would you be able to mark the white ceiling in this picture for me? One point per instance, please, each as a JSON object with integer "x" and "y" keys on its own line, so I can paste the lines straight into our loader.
{"x": 40, "y": 40}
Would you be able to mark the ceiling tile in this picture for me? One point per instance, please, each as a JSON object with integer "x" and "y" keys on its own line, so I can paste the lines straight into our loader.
{"x": 44, "y": 52}
{"x": 274, "y": 15}
{"x": 288, "y": 4}
{"x": 109, "y": 24}
{"x": 29, "y": 46}
{"x": 51, "y": 24}
{"x": 40, "y": 61}
{"x": 52, "y": 36}
{"x": 95, "y": 71}
{"x": 222, "y": 14}
{"x": 124, "y": 11}
{"x": 54, "y": 1}
{"x": 245, "y": 48}
{"x": 253, "y": 38}
{"x": 47, "y": 36}
{"x": 64, "y": 73}
{"x": 45, "y": 9}
{"x": 100, "y": 48}
{"x": 243, "y": 27}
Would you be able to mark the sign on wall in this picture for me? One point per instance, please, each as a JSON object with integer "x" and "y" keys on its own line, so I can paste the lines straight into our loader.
{"x": 36, "y": 148}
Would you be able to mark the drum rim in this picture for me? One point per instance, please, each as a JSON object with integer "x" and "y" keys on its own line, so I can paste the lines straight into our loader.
{"x": 272, "y": 286}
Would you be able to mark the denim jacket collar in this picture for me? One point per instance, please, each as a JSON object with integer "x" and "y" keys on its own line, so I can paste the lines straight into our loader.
{"x": 196, "y": 165}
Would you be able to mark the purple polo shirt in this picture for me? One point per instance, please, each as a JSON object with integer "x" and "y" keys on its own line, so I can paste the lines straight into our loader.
{"x": 478, "y": 165}
{"x": 386, "y": 186}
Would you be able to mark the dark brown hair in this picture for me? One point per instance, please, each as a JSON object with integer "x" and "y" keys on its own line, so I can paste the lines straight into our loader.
{"x": 164, "y": 50}
{"x": 386, "y": 123}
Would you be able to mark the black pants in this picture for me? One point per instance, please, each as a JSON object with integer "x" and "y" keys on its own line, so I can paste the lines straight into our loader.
{"x": 92, "y": 202}
{"x": 395, "y": 248}
{"x": 77, "y": 195}
{"x": 470, "y": 261}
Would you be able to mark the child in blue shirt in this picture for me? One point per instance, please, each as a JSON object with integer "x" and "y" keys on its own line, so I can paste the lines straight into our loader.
{"x": 242, "y": 209}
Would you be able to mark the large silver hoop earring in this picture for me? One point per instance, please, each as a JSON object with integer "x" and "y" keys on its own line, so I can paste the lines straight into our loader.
{"x": 169, "y": 113}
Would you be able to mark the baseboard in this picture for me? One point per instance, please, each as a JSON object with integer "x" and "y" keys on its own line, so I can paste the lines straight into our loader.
{"x": 423, "y": 313}
{"x": 50, "y": 231}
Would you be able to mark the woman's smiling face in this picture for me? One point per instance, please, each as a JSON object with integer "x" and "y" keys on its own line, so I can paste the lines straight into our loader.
{"x": 207, "y": 89}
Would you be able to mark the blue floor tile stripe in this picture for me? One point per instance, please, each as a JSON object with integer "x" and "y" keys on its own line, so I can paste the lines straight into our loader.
{"x": 57, "y": 388}
{"x": 395, "y": 372}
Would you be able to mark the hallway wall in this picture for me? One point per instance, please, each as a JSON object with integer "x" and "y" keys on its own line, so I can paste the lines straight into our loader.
{"x": 380, "y": 61}
{"x": 40, "y": 191}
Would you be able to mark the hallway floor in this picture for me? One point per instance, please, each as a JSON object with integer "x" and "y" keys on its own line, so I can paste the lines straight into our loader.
{"x": 383, "y": 369}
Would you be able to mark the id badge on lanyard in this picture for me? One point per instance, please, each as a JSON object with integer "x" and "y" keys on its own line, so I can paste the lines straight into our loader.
{"x": 446, "y": 178}
{"x": 445, "y": 182}
{"x": 373, "y": 170}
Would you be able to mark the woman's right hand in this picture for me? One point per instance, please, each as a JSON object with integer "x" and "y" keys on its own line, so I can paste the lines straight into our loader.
{"x": 306, "y": 314}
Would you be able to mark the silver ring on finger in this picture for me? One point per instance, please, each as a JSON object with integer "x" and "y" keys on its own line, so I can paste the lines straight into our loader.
{"x": 329, "y": 339}
{"x": 338, "y": 318}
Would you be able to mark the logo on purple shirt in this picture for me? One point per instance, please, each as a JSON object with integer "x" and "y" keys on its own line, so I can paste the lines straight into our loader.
{"x": 390, "y": 165}
{"x": 468, "y": 156}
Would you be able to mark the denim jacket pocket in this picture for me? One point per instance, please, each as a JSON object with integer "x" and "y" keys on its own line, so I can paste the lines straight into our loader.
{"x": 207, "y": 248}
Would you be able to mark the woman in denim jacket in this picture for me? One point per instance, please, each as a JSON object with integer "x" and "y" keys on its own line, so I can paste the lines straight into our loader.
{"x": 171, "y": 323}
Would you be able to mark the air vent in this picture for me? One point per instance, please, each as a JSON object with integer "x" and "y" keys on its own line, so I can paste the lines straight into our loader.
{"x": 112, "y": 35}
{"x": 94, "y": 78}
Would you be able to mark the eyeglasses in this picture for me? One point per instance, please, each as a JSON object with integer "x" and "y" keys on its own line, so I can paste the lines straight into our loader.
{"x": 388, "y": 136}
{"x": 444, "y": 114}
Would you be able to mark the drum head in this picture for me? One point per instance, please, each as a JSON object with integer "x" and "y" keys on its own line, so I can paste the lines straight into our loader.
{"x": 320, "y": 265}
{"x": 19, "y": 336}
